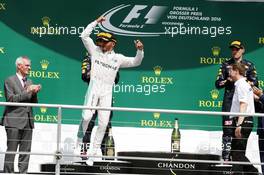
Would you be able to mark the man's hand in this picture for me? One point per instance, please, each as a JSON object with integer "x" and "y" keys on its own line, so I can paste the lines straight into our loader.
{"x": 238, "y": 132}
{"x": 139, "y": 45}
{"x": 257, "y": 91}
{"x": 37, "y": 88}
{"x": 34, "y": 88}
{"x": 256, "y": 97}
{"x": 222, "y": 83}
{"x": 100, "y": 19}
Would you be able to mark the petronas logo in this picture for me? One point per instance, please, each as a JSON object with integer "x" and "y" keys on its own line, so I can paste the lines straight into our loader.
{"x": 44, "y": 64}
{"x": 1, "y": 94}
{"x": 45, "y": 21}
{"x": 157, "y": 70}
{"x": 156, "y": 115}
{"x": 216, "y": 51}
{"x": 43, "y": 110}
{"x": 214, "y": 94}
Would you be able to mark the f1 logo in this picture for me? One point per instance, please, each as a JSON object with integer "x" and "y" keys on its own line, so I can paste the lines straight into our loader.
{"x": 2, "y": 6}
{"x": 2, "y": 50}
{"x": 152, "y": 16}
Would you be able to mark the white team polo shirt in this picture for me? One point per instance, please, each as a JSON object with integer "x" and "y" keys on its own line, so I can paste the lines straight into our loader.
{"x": 243, "y": 93}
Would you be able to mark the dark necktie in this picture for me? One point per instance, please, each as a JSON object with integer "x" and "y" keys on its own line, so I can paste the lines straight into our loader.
{"x": 24, "y": 79}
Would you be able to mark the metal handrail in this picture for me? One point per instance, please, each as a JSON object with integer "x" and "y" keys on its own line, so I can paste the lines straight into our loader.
{"x": 172, "y": 111}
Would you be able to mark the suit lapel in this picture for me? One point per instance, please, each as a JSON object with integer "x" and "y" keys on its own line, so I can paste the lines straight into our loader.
{"x": 18, "y": 83}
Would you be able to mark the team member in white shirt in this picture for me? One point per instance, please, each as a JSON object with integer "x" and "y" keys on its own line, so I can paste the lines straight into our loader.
{"x": 243, "y": 102}
{"x": 104, "y": 66}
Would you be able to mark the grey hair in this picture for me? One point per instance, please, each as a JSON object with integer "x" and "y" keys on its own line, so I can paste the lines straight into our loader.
{"x": 19, "y": 60}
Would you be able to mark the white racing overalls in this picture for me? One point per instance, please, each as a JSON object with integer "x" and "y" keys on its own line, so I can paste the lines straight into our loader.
{"x": 104, "y": 67}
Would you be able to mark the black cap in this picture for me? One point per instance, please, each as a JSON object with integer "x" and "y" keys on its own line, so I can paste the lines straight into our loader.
{"x": 105, "y": 36}
{"x": 237, "y": 44}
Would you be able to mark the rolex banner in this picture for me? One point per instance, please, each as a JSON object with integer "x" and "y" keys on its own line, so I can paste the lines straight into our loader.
{"x": 184, "y": 41}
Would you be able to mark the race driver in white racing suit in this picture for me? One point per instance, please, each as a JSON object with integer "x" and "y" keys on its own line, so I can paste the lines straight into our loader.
{"x": 104, "y": 66}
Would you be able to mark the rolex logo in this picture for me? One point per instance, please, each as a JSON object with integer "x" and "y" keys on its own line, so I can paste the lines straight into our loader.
{"x": 261, "y": 40}
{"x": 44, "y": 64}
{"x": 1, "y": 94}
{"x": 43, "y": 110}
{"x": 216, "y": 51}
{"x": 157, "y": 70}
{"x": 44, "y": 73}
{"x": 261, "y": 83}
{"x": 156, "y": 115}
{"x": 214, "y": 94}
{"x": 45, "y": 21}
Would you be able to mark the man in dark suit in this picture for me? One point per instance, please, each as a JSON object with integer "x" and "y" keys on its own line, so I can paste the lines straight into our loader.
{"x": 19, "y": 121}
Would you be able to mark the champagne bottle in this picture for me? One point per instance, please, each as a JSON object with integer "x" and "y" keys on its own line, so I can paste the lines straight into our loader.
{"x": 110, "y": 145}
{"x": 175, "y": 137}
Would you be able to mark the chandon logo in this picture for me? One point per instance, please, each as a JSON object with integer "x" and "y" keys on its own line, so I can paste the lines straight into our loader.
{"x": 143, "y": 15}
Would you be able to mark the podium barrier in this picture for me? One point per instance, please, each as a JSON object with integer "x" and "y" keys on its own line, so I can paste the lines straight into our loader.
{"x": 207, "y": 164}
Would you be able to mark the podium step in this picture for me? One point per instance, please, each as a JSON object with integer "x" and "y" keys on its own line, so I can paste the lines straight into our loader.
{"x": 137, "y": 166}
{"x": 99, "y": 167}
{"x": 169, "y": 167}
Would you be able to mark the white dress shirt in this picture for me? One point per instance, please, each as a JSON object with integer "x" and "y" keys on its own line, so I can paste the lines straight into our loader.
{"x": 20, "y": 79}
{"x": 243, "y": 93}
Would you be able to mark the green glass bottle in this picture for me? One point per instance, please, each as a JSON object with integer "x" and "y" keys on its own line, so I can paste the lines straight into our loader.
{"x": 175, "y": 138}
{"x": 110, "y": 145}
